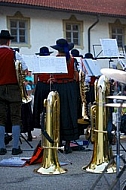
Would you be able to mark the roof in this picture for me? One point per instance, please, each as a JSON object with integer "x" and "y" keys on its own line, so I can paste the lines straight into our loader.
{"x": 103, "y": 7}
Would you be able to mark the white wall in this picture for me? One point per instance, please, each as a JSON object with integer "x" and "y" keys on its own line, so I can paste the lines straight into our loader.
{"x": 46, "y": 27}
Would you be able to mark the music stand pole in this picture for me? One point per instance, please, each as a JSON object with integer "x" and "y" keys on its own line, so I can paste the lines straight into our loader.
{"x": 118, "y": 145}
{"x": 50, "y": 82}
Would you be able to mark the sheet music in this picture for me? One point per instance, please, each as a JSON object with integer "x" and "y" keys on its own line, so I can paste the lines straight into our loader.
{"x": 79, "y": 61}
{"x": 31, "y": 61}
{"x": 109, "y": 47}
{"x": 92, "y": 67}
{"x": 52, "y": 64}
{"x": 45, "y": 64}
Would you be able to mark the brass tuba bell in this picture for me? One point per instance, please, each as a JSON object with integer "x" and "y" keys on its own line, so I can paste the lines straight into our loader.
{"x": 102, "y": 150}
{"x": 50, "y": 163}
{"x": 20, "y": 77}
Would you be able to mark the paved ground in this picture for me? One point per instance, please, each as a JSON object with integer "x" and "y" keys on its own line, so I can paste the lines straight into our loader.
{"x": 24, "y": 178}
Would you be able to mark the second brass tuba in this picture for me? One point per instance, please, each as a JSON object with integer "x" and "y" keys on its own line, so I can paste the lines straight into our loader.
{"x": 83, "y": 89}
{"x": 20, "y": 77}
{"x": 102, "y": 149}
{"x": 50, "y": 163}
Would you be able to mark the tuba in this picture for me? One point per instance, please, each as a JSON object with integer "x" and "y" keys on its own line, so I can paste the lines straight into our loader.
{"x": 83, "y": 89}
{"x": 50, "y": 163}
{"x": 20, "y": 77}
{"x": 102, "y": 150}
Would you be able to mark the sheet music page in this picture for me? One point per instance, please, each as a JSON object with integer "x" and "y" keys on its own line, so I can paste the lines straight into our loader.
{"x": 31, "y": 62}
{"x": 80, "y": 62}
{"x": 52, "y": 64}
{"x": 36, "y": 68}
{"x": 92, "y": 67}
{"x": 14, "y": 161}
{"x": 109, "y": 47}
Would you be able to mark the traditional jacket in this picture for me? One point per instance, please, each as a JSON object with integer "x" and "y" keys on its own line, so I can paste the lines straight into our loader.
{"x": 7, "y": 66}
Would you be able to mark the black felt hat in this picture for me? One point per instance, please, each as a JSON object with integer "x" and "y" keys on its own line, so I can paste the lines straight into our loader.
{"x": 75, "y": 53}
{"x": 44, "y": 51}
{"x": 63, "y": 46}
{"x": 88, "y": 56}
{"x": 5, "y": 35}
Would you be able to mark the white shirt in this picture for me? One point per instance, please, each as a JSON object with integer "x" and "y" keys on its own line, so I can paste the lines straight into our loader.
{"x": 17, "y": 56}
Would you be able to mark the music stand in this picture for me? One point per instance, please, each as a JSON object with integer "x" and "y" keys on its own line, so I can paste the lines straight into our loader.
{"x": 119, "y": 171}
{"x": 108, "y": 49}
{"x": 50, "y": 65}
{"x": 118, "y": 156}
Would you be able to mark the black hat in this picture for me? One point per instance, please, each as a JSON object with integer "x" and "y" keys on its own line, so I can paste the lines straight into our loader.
{"x": 16, "y": 49}
{"x": 5, "y": 35}
{"x": 63, "y": 46}
{"x": 75, "y": 53}
{"x": 88, "y": 56}
{"x": 44, "y": 51}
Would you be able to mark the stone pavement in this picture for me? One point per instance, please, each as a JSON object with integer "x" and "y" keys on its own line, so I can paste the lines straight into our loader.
{"x": 24, "y": 178}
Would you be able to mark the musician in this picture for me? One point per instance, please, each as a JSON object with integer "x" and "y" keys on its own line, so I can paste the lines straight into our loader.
{"x": 65, "y": 84}
{"x": 10, "y": 94}
{"x": 90, "y": 81}
{"x": 26, "y": 110}
{"x": 75, "y": 54}
{"x": 67, "y": 87}
{"x": 41, "y": 90}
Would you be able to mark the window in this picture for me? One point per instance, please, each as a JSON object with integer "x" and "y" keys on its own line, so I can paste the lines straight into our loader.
{"x": 19, "y": 29}
{"x": 73, "y": 31}
{"x": 118, "y": 32}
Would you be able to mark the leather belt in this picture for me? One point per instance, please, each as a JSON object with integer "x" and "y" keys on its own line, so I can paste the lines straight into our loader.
{"x": 64, "y": 80}
{"x": 60, "y": 81}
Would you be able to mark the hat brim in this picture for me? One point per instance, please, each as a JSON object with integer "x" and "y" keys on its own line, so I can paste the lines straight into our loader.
{"x": 44, "y": 53}
{"x": 76, "y": 55}
{"x": 7, "y": 37}
{"x": 56, "y": 47}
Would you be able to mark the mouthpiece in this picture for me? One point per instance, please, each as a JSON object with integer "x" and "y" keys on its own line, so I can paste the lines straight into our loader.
{"x": 61, "y": 148}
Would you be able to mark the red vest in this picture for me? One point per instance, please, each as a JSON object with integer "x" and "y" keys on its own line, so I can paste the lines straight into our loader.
{"x": 93, "y": 78}
{"x": 7, "y": 67}
{"x": 69, "y": 75}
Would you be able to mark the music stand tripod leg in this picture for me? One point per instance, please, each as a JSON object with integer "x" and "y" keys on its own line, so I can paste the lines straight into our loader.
{"x": 25, "y": 140}
{"x": 102, "y": 174}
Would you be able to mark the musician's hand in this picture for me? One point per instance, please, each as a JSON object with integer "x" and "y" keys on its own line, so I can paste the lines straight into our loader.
{"x": 26, "y": 71}
{"x": 51, "y": 80}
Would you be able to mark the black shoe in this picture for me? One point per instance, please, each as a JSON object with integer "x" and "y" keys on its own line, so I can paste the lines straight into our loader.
{"x": 16, "y": 151}
{"x": 60, "y": 150}
{"x": 68, "y": 149}
{"x": 7, "y": 139}
{"x": 3, "y": 151}
{"x": 29, "y": 138}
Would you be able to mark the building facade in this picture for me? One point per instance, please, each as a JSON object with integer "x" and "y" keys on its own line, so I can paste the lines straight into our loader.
{"x": 35, "y": 27}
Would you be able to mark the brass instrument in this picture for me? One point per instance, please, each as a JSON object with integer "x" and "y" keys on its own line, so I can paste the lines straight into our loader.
{"x": 121, "y": 65}
{"x": 83, "y": 89}
{"x": 102, "y": 150}
{"x": 90, "y": 134}
{"x": 20, "y": 77}
{"x": 50, "y": 163}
